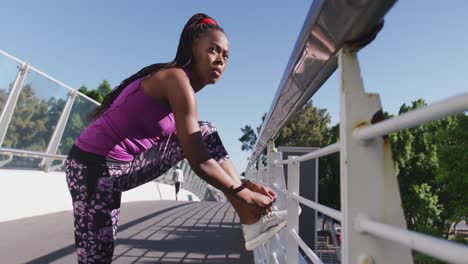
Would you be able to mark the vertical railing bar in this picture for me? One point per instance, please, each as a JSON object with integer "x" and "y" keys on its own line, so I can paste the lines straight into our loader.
{"x": 311, "y": 254}
{"x": 59, "y": 129}
{"x": 7, "y": 160}
{"x": 293, "y": 212}
{"x": 8, "y": 109}
{"x": 274, "y": 257}
{"x": 367, "y": 175}
{"x": 269, "y": 167}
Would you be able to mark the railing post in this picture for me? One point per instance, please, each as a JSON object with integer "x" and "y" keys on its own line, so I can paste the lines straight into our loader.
{"x": 368, "y": 182}
{"x": 58, "y": 132}
{"x": 278, "y": 179}
{"x": 7, "y": 113}
{"x": 293, "y": 212}
{"x": 271, "y": 248}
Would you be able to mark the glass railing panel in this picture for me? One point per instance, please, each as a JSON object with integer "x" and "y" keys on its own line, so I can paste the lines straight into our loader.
{"x": 76, "y": 123}
{"x": 8, "y": 71}
{"x": 40, "y": 104}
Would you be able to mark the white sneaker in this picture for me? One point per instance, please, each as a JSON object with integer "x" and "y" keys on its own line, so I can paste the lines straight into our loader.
{"x": 269, "y": 224}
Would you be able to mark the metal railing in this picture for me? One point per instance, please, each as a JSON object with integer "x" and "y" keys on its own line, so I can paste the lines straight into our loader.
{"x": 372, "y": 220}
{"x": 32, "y": 84}
{"x": 51, "y": 155}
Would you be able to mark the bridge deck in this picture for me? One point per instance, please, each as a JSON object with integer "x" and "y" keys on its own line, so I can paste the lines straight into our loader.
{"x": 149, "y": 232}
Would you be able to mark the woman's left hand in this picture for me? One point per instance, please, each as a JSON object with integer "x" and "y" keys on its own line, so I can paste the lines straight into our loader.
{"x": 257, "y": 187}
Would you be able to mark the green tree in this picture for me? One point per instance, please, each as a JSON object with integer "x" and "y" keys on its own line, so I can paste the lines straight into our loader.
{"x": 35, "y": 119}
{"x": 308, "y": 128}
{"x": 77, "y": 120}
{"x": 75, "y": 124}
{"x": 29, "y": 122}
{"x": 431, "y": 163}
{"x": 32, "y": 125}
{"x": 99, "y": 93}
{"x": 415, "y": 155}
{"x": 329, "y": 172}
{"x": 249, "y": 136}
{"x": 3, "y": 99}
{"x": 452, "y": 174}
{"x": 55, "y": 108}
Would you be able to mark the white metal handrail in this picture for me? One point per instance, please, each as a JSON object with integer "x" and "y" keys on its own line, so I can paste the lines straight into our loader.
{"x": 436, "y": 247}
{"x": 335, "y": 214}
{"x": 356, "y": 153}
{"x": 330, "y": 149}
{"x": 31, "y": 68}
{"x": 7, "y": 114}
{"x": 450, "y": 106}
{"x": 315, "y": 259}
{"x": 30, "y": 153}
{"x": 338, "y": 22}
{"x": 11, "y": 57}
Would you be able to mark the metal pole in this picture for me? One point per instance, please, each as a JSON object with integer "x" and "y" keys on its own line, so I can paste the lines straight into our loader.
{"x": 368, "y": 182}
{"x": 10, "y": 104}
{"x": 293, "y": 212}
{"x": 58, "y": 132}
{"x": 270, "y": 248}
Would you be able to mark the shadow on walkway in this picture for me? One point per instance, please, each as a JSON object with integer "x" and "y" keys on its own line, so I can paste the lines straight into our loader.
{"x": 150, "y": 232}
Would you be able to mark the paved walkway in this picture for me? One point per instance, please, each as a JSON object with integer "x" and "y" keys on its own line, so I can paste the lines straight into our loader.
{"x": 149, "y": 232}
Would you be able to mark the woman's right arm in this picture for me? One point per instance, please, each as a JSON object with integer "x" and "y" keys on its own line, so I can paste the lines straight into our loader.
{"x": 182, "y": 100}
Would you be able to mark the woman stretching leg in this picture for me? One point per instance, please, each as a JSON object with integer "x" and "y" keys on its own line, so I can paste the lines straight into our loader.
{"x": 144, "y": 127}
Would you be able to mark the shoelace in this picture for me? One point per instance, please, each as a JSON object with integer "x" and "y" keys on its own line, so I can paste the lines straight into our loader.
{"x": 269, "y": 215}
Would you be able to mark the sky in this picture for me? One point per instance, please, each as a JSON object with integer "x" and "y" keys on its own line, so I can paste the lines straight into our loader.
{"x": 421, "y": 52}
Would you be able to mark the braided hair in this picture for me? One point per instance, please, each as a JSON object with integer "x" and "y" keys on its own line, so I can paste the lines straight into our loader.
{"x": 192, "y": 30}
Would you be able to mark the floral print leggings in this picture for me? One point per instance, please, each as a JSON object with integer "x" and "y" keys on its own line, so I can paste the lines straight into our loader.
{"x": 96, "y": 189}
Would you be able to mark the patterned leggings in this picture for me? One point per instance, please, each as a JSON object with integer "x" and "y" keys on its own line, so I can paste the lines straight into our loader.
{"x": 96, "y": 190}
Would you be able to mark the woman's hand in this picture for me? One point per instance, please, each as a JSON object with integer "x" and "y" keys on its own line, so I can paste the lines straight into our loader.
{"x": 259, "y": 188}
{"x": 259, "y": 200}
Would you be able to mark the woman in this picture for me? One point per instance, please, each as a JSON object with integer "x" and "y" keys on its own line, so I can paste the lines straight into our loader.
{"x": 143, "y": 128}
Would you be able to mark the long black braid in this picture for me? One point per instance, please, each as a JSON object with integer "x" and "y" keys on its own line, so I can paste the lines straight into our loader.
{"x": 183, "y": 58}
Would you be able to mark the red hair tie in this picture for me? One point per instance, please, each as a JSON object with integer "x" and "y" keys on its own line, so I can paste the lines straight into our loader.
{"x": 207, "y": 21}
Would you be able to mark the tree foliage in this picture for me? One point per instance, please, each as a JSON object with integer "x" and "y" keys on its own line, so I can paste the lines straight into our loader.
{"x": 431, "y": 163}
{"x": 415, "y": 155}
{"x": 34, "y": 120}
{"x": 308, "y": 128}
{"x": 452, "y": 173}
{"x": 99, "y": 93}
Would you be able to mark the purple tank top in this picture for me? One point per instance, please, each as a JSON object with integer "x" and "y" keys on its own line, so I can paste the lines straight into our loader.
{"x": 132, "y": 124}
